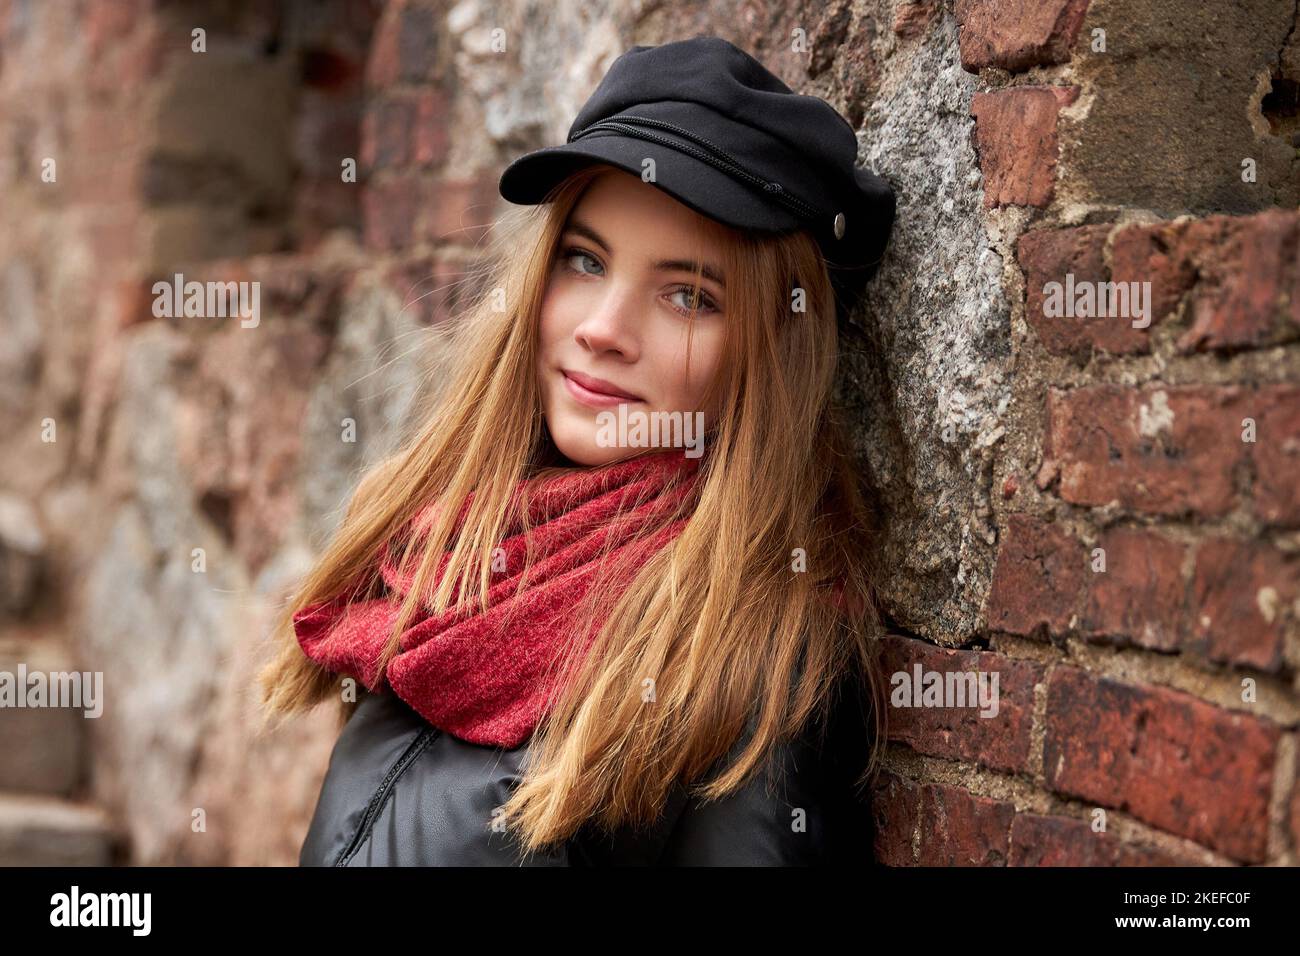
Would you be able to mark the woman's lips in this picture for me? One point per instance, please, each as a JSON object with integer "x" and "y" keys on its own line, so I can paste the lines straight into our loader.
{"x": 595, "y": 392}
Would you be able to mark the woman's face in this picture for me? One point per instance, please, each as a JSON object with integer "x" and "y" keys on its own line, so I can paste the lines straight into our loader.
{"x": 614, "y": 324}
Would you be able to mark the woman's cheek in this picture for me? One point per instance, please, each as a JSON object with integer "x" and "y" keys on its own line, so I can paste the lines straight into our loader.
{"x": 706, "y": 358}
{"x": 552, "y": 329}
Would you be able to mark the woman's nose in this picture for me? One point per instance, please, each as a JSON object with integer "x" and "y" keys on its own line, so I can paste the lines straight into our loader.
{"x": 611, "y": 323}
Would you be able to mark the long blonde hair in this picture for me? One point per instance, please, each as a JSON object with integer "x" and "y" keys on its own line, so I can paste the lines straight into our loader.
{"x": 724, "y": 623}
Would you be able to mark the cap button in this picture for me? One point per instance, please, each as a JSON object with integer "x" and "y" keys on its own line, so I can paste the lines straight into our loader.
{"x": 839, "y": 225}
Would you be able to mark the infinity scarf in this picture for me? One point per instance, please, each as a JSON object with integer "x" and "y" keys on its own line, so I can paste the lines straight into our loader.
{"x": 488, "y": 676}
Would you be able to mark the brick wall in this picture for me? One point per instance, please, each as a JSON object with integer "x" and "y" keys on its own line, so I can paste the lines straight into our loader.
{"x": 1142, "y": 612}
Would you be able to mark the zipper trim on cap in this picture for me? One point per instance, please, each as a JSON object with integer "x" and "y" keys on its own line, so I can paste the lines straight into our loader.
{"x": 716, "y": 157}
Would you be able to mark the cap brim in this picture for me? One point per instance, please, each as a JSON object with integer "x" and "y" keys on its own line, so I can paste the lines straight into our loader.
{"x": 709, "y": 191}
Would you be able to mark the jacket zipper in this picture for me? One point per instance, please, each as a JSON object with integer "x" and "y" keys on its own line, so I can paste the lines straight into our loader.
{"x": 381, "y": 794}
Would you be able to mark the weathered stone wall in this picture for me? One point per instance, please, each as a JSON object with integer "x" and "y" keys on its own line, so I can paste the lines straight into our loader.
{"x": 1116, "y": 140}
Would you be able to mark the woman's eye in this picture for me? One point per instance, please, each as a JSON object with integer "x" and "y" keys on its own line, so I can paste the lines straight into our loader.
{"x": 694, "y": 301}
{"x": 572, "y": 253}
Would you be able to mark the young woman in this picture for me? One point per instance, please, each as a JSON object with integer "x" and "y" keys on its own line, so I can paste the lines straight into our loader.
{"x": 611, "y": 604}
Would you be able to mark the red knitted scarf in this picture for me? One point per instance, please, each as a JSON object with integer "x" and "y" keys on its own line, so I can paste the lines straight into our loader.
{"x": 489, "y": 676}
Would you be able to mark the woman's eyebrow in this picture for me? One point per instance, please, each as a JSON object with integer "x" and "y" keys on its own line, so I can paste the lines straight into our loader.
{"x": 584, "y": 230}
{"x": 709, "y": 271}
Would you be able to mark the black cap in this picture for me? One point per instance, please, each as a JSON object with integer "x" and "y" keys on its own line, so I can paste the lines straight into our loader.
{"x": 732, "y": 141}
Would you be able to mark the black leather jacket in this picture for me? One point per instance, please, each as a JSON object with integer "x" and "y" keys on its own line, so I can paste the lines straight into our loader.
{"x": 400, "y": 792}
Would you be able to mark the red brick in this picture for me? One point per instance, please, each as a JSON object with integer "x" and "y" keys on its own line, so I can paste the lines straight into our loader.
{"x": 382, "y": 65}
{"x": 150, "y": 52}
{"x": 1143, "y": 253}
{"x": 132, "y": 302}
{"x": 1166, "y": 451}
{"x": 293, "y": 285}
{"x": 1049, "y": 255}
{"x": 128, "y": 46}
{"x": 1249, "y": 279}
{"x": 961, "y": 829}
{"x": 1294, "y": 816}
{"x": 1038, "y": 840}
{"x": 386, "y": 133}
{"x": 114, "y": 236}
{"x": 431, "y": 135}
{"x": 1001, "y": 741}
{"x": 325, "y": 203}
{"x": 1015, "y": 136}
{"x": 1168, "y": 759}
{"x": 895, "y": 806}
{"x": 327, "y": 131}
{"x": 914, "y": 18}
{"x": 1240, "y": 275}
{"x": 1242, "y": 592}
{"x": 1017, "y": 34}
{"x": 1141, "y": 595}
{"x": 1038, "y": 579}
{"x": 388, "y": 209}
{"x": 417, "y": 43}
{"x": 105, "y": 167}
{"x": 105, "y": 24}
{"x": 1276, "y": 451}
{"x": 460, "y": 210}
